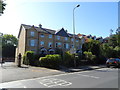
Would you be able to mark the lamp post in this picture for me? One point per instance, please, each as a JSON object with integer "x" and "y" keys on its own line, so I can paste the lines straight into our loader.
{"x": 74, "y": 33}
{"x": 74, "y": 25}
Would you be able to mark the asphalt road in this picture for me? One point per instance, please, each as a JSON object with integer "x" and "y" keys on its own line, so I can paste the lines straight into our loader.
{"x": 10, "y": 72}
{"x": 100, "y": 78}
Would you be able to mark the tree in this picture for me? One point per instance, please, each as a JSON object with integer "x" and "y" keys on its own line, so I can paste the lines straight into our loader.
{"x": 9, "y": 43}
{"x": 92, "y": 46}
{"x": 2, "y": 7}
{"x": 112, "y": 48}
{"x": 118, "y": 36}
{"x": 9, "y": 40}
{"x": 113, "y": 40}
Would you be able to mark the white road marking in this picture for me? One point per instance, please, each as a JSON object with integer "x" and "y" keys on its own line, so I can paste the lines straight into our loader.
{"x": 24, "y": 87}
{"x": 50, "y": 82}
{"x": 89, "y": 76}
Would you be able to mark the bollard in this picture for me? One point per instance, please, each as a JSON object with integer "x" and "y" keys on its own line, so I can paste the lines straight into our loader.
{"x": 19, "y": 60}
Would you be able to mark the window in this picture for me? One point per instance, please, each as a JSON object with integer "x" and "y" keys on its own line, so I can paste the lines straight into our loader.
{"x": 66, "y": 38}
{"x": 50, "y": 36}
{"x": 32, "y": 42}
{"x": 32, "y": 33}
{"x": 50, "y": 44}
{"x": 72, "y": 39}
{"x": 42, "y": 35}
{"x": 77, "y": 40}
{"x": 58, "y": 37}
{"x": 67, "y": 46}
{"x": 58, "y": 44}
{"x": 72, "y": 46}
{"x": 42, "y": 43}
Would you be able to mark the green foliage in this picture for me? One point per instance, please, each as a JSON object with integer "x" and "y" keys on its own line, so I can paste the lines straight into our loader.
{"x": 8, "y": 45}
{"x": 92, "y": 46}
{"x": 28, "y": 58}
{"x": 113, "y": 41}
{"x": 68, "y": 59}
{"x": 59, "y": 51}
{"x": 25, "y": 60}
{"x": 117, "y": 49}
{"x": 9, "y": 39}
{"x": 89, "y": 56}
{"x": 2, "y": 6}
{"x": 50, "y": 61}
{"x": 109, "y": 51}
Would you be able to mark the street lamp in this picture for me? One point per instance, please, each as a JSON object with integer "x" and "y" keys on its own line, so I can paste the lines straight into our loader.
{"x": 74, "y": 26}
{"x": 74, "y": 34}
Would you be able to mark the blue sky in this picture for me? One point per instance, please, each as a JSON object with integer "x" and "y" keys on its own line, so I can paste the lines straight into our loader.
{"x": 95, "y": 18}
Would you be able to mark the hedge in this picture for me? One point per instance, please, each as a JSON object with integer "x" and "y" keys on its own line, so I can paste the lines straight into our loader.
{"x": 50, "y": 61}
{"x": 28, "y": 58}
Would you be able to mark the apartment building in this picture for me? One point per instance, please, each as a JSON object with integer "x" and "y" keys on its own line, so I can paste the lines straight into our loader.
{"x": 45, "y": 41}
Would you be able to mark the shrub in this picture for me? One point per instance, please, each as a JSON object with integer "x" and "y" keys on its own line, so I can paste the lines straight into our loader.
{"x": 68, "y": 59}
{"x": 28, "y": 58}
{"x": 89, "y": 56}
{"x": 25, "y": 60}
{"x": 50, "y": 61}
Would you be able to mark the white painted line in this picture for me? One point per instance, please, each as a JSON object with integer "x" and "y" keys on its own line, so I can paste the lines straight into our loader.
{"x": 24, "y": 87}
{"x": 89, "y": 76}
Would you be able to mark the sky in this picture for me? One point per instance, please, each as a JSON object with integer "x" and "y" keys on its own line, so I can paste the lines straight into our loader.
{"x": 95, "y": 18}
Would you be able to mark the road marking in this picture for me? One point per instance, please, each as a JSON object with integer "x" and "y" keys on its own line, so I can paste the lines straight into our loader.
{"x": 89, "y": 76}
{"x": 51, "y": 82}
{"x": 24, "y": 87}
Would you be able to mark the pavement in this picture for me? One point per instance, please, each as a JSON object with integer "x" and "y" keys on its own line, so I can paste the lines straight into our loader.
{"x": 28, "y": 72}
{"x": 63, "y": 69}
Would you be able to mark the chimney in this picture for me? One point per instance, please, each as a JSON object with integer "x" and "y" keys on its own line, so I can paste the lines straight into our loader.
{"x": 40, "y": 26}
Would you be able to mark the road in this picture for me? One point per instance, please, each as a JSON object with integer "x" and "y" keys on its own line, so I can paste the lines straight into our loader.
{"x": 100, "y": 78}
{"x": 10, "y": 72}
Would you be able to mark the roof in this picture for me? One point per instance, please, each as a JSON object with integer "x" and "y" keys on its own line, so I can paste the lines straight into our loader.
{"x": 71, "y": 35}
{"x": 62, "y": 32}
{"x": 49, "y": 31}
